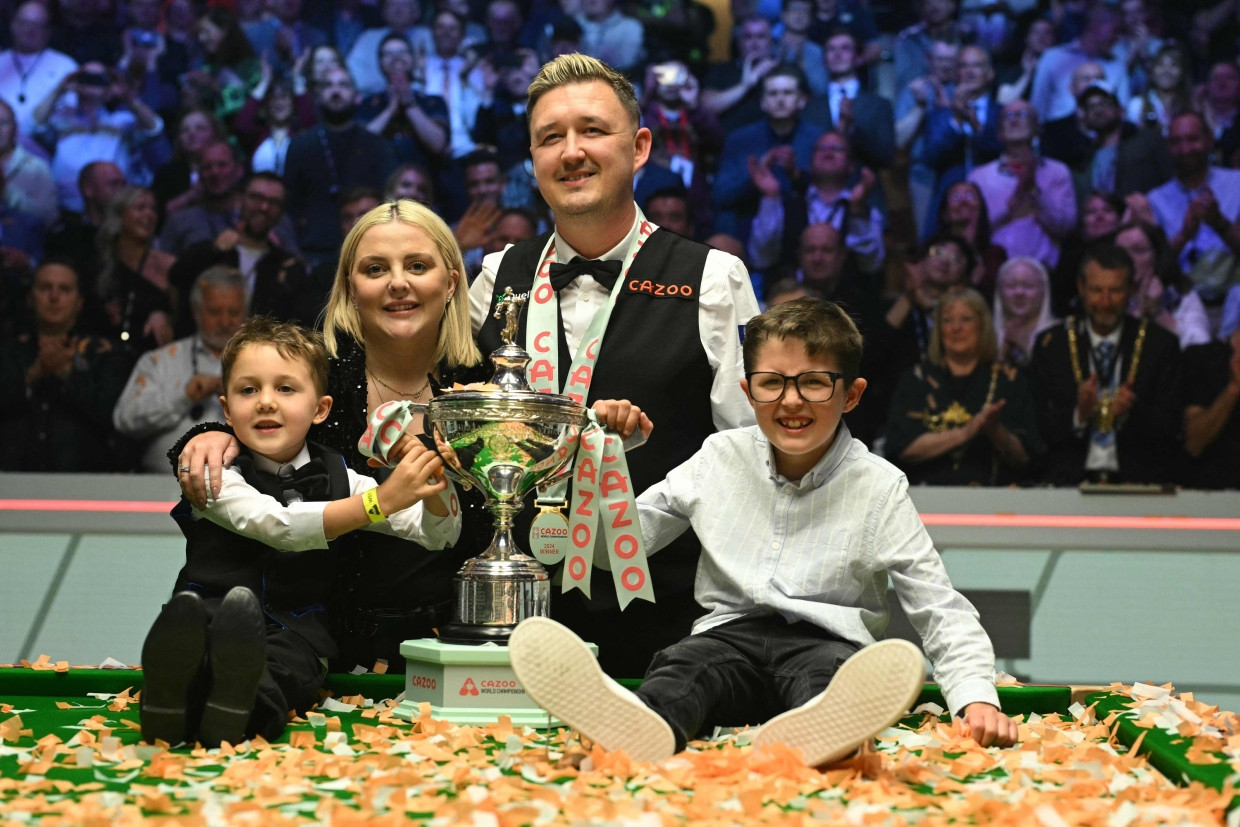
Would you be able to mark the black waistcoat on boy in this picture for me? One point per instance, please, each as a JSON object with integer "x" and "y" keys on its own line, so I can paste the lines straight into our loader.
{"x": 294, "y": 587}
{"x": 652, "y": 355}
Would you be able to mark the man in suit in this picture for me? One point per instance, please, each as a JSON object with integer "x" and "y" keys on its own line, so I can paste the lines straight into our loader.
{"x": 277, "y": 280}
{"x": 964, "y": 134}
{"x": 1120, "y": 157}
{"x": 1108, "y": 385}
{"x": 782, "y": 142}
{"x": 864, "y": 118}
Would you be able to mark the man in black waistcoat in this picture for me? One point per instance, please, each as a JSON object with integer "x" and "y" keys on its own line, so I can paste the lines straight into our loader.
{"x": 671, "y": 343}
{"x": 245, "y": 637}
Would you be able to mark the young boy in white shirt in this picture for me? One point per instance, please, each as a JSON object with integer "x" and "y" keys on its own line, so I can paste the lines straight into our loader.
{"x": 801, "y": 530}
{"x": 244, "y": 639}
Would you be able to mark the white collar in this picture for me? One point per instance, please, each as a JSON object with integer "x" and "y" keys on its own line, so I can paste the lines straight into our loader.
{"x": 270, "y": 466}
{"x": 564, "y": 251}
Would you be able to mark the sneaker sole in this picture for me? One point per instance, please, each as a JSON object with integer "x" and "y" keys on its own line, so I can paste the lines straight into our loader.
{"x": 171, "y": 659}
{"x": 871, "y": 691}
{"x": 238, "y": 655}
{"x": 558, "y": 671}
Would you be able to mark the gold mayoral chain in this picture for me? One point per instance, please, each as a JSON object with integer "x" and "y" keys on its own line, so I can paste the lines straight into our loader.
{"x": 1104, "y": 419}
{"x": 957, "y": 415}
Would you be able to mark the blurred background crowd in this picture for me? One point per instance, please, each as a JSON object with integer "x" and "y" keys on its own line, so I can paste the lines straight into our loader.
{"x": 957, "y": 173}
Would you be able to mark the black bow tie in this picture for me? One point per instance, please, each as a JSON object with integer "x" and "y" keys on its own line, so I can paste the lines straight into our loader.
{"x": 604, "y": 272}
{"x": 310, "y": 481}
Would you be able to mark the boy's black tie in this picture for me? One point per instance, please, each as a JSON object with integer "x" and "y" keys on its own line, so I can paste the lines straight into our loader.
{"x": 604, "y": 272}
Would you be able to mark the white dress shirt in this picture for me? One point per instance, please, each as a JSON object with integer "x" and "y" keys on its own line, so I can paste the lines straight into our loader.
{"x": 25, "y": 80}
{"x": 725, "y": 303}
{"x": 820, "y": 550}
{"x": 244, "y": 510}
{"x": 154, "y": 406}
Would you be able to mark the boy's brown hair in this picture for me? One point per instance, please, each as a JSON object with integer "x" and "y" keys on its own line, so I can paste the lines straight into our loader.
{"x": 290, "y": 340}
{"x": 822, "y": 326}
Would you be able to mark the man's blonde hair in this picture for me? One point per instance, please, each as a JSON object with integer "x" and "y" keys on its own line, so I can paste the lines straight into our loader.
{"x": 455, "y": 345}
{"x": 575, "y": 67}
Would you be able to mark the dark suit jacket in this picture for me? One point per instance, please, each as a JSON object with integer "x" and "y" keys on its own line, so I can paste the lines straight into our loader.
{"x": 953, "y": 154}
{"x": 873, "y": 134}
{"x": 282, "y": 285}
{"x": 1148, "y": 439}
{"x": 1142, "y": 162}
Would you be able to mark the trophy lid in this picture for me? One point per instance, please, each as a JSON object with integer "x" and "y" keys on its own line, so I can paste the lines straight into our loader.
{"x": 509, "y": 384}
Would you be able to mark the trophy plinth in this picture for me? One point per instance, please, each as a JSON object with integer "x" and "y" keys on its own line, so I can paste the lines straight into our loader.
{"x": 505, "y": 440}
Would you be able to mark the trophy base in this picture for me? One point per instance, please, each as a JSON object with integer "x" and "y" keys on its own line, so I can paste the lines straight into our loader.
{"x": 467, "y": 684}
{"x": 468, "y": 634}
{"x": 497, "y": 594}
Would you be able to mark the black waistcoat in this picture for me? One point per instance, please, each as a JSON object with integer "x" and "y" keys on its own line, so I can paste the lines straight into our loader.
{"x": 294, "y": 587}
{"x": 652, "y": 355}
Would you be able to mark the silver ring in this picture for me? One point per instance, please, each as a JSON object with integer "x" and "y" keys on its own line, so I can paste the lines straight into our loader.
{"x": 184, "y": 469}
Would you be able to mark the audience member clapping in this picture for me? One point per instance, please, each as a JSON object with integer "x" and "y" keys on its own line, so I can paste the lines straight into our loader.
{"x": 412, "y": 123}
{"x": 58, "y": 385}
{"x": 1198, "y": 209}
{"x": 963, "y": 417}
{"x": 962, "y": 213}
{"x": 836, "y": 192}
{"x": 1160, "y": 291}
{"x": 1029, "y": 199}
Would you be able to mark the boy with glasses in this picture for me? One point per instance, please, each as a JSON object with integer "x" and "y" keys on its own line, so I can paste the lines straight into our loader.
{"x": 800, "y": 528}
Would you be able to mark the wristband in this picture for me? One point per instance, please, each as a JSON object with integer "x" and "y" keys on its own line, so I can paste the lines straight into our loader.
{"x": 370, "y": 501}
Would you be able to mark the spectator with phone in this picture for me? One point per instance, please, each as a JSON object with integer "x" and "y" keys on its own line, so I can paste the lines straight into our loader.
{"x": 92, "y": 116}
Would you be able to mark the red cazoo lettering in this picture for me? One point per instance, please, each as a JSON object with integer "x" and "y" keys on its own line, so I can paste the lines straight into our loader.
{"x": 680, "y": 291}
{"x": 423, "y": 682}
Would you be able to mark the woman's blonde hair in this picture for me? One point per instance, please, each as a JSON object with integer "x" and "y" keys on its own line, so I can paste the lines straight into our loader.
{"x": 455, "y": 346}
{"x": 987, "y": 343}
{"x": 110, "y": 231}
{"x": 1046, "y": 318}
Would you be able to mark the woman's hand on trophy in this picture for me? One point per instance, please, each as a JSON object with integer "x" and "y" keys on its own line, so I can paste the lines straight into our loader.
{"x": 623, "y": 417}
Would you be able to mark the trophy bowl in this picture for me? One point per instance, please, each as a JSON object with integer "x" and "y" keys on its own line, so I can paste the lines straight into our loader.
{"x": 504, "y": 441}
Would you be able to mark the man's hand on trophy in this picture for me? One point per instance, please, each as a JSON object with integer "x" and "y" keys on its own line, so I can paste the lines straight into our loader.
{"x": 623, "y": 417}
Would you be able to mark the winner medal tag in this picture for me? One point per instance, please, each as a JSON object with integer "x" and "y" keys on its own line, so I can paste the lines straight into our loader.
{"x": 549, "y": 535}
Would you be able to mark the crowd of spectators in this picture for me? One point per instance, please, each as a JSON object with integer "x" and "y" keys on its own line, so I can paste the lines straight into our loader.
{"x": 168, "y": 167}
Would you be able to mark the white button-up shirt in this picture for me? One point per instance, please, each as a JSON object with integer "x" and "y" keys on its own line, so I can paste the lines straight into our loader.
{"x": 821, "y": 550}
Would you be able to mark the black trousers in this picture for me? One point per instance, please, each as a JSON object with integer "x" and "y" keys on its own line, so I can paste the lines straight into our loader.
{"x": 745, "y": 671}
{"x": 290, "y": 683}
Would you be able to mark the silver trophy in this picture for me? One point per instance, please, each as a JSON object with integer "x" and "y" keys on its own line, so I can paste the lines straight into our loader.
{"x": 505, "y": 440}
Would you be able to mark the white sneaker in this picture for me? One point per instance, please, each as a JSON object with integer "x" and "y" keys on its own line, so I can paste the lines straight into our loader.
{"x": 559, "y": 672}
{"x": 870, "y": 692}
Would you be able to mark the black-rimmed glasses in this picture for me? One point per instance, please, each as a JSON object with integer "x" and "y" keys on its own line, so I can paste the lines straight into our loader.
{"x": 812, "y": 386}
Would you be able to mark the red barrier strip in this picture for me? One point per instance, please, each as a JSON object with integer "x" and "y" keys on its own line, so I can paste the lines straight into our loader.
{"x": 1146, "y": 523}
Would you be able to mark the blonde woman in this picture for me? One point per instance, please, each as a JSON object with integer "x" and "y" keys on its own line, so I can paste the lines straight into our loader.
{"x": 964, "y": 418}
{"x": 396, "y": 327}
